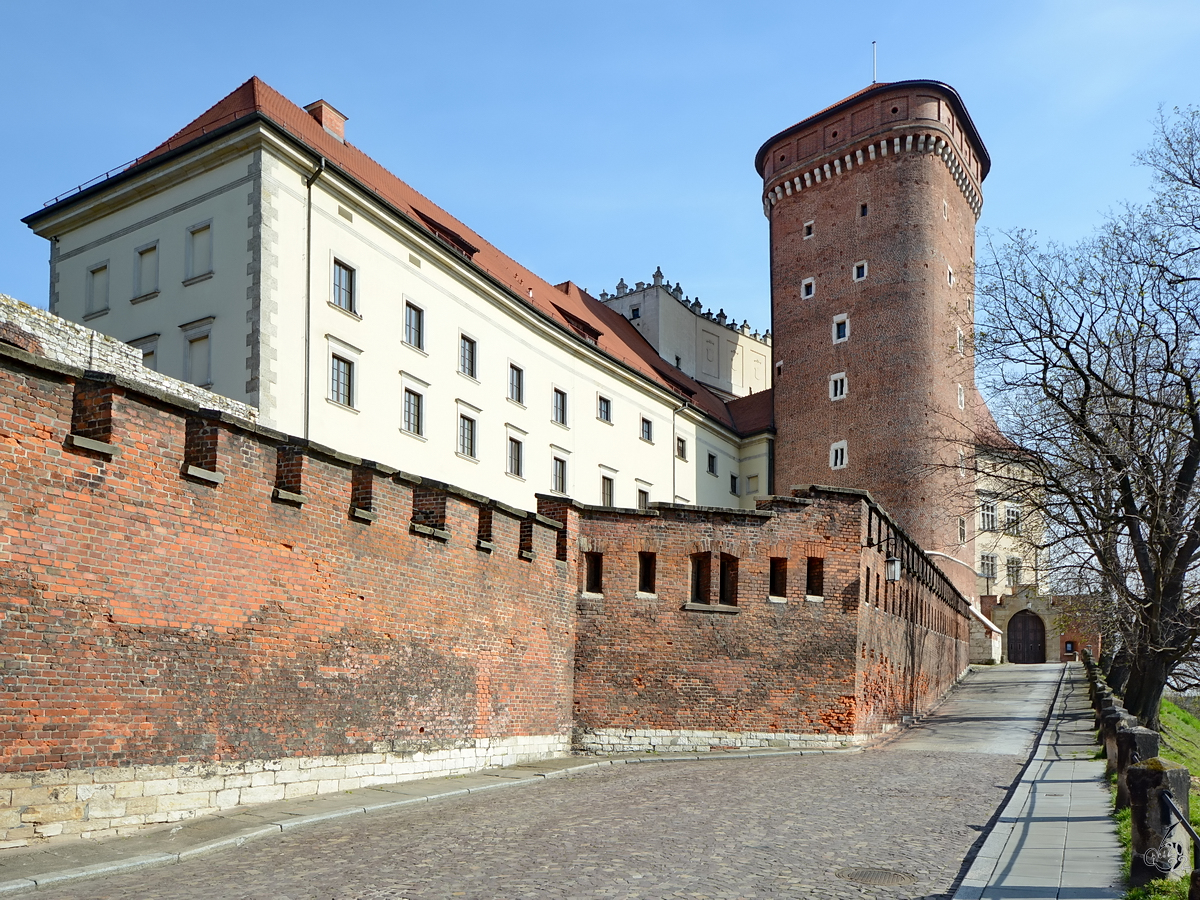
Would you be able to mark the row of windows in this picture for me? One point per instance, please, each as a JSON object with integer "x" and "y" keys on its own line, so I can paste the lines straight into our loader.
{"x": 700, "y": 586}
{"x": 197, "y": 351}
{"x": 198, "y": 266}
{"x": 858, "y": 272}
{"x": 988, "y": 519}
{"x": 1014, "y": 568}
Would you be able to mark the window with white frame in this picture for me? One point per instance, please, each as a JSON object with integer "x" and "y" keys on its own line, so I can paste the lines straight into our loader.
{"x": 837, "y": 386}
{"x": 466, "y": 356}
{"x": 145, "y": 271}
{"x": 643, "y": 498}
{"x": 341, "y": 380}
{"x": 607, "y": 491}
{"x": 962, "y": 529}
{"x": 733, "y": 484}
{"x": 647, "y": 430}
{"x": 197, "y": 356}
{"x": 96, "y": 295}
{"x": 1013, "y": 570}
{"x": 681, "y": 448}
{"x": 712, "y": 464}
{"x": 841, "y": 328}
{"x": 516, "y": 457}
{"x": 962, "y": 397}
{"x": 343, "y": 286}
{"x": 516, "y": 384}
{"x": 860, "y": 270}
{"x": 604, "y": 409}
{"x": 558, "y": 406}
{"x": 466, "y": 435}
{"x": 808, "y": 288}
{"x": 837, "y": 455}
{"x": 198, "y": 255}
{"x": 809, "y": 229}
{"x": 987, "y": 565}
{"x": 414, "y": 413}
{"x": 1012, "y": 519}
{"x": 414, "y": 326}
{"x": 558, "y": 474}
{"x": 987, "y": 514}
{"x": 949, "y": 276}
{"x": 960, "y": 341}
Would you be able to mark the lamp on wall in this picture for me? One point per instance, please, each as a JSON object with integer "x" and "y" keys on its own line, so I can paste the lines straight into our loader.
{"x": 891, "y": 569}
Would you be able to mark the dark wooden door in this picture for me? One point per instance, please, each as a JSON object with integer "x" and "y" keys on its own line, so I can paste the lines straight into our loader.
{"x": 1026, "y": 638}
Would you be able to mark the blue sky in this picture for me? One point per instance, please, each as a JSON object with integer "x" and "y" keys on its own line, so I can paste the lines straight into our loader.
{"x": 597, "y": 141}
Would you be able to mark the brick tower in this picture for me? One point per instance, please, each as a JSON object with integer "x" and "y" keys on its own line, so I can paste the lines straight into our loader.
{"x": 873, "y": 204}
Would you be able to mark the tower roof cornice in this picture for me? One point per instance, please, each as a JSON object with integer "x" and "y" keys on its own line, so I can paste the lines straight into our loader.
{"x": 873, "y": 90}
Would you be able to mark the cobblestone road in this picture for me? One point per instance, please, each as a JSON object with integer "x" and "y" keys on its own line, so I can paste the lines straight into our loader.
{"x": 738, "y": 828}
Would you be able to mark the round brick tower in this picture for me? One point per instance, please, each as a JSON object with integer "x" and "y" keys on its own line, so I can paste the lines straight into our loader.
{"x": 873, "y": 204}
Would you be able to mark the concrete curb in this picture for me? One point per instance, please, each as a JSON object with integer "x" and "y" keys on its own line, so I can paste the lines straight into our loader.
{"x": 381, "y": 798}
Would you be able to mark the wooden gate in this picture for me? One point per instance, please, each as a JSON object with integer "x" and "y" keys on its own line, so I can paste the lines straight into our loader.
{"x": 1026, "y": 638}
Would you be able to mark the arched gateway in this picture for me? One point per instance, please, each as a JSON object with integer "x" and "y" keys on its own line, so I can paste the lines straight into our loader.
{"x": 1026, "y": 638}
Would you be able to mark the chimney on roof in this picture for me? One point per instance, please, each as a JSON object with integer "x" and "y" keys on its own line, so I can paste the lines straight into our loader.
{"x": 331, "y": 120}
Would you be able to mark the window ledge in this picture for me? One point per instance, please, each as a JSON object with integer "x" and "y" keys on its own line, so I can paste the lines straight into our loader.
{"x": 485, "y": 546}
{"x": 591, "y": 595}
{"x": 814, "y": 598}
{"x": 468, "y": 377}
{"x": 415, "y": 348}
{"x": 645, "y": 441}
{"x": 563, "y": 425}
{"x": 363, "y": 515}
{"x": 515, "y": 476}
{"x": 527, "y": 555}
{"x": 725, "y": 608}
{"x": 516, "y": 402}
{"x": 461, "y": 455}
{"x": 414, "y": 435}
{"x": 142, "y": 298}
{"x": 205, "y": 475}
{"x": 86, "y": 443}
{"x": 346, "y": 312}
{"x": 642, "y": 595}
{"x": 95, "y": 314}
{"x": 196, "y": 279}
{"x": 605, "y": 421}
{"x": 343, "y": 406}
{"x": 440, "y": 534}
{"x": 773, "y": 599}
{"x": 283, "y": 496}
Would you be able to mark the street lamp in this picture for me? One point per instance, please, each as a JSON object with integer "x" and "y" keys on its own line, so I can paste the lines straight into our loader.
{"x": 891, "y": 570}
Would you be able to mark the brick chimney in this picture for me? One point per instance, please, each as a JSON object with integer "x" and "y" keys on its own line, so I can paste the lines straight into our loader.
{"x": 331, "y": 120}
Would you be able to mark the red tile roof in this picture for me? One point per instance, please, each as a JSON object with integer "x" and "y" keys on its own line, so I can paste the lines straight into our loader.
{"x": 564, "y": 303}
{"x": 754, "y": 412}
{"x": 987, "y": 432}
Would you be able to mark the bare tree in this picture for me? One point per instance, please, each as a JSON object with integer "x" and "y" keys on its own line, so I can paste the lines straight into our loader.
{"x": 1092, "y": 355}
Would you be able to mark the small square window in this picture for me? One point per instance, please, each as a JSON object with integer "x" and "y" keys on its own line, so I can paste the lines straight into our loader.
{"x": 516, "y": 457}
{"x": 837, "y": 455}
{"x": 343, "y": 286}
{"x": 643, "y": 498}
{"x": 712, "y": 464}
{"x": 413, "y": 423}
{"x": 860, "y": 270}
{"x": 647, "y": 430}
{"x": 466, "y": 436}
{"x": 635, "y": 312}
{"x": 808, "y": 288}
{"x": 516, "y": 384}
{"x": 466, "y": 356}
{"x": 733, "y": 484}
{"x": 341, "y": 381}
{"x": 841, "y": 328}
{"x": 681, "y": 448}
{"x": 862, "y": 210}
{"x": 604, "y": 409}
{"x": 808, "y": 230}
{"x": 837, "y": 386}
{"x": 607, "y": 491}
{"x": 414, "y": 326}
{"x": 559, "y": 406}
{"x": 558, "y": 475}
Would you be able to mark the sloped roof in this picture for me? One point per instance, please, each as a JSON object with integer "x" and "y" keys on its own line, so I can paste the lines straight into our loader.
{"x": 987, "y": 432}
{"x": 754, "y": 412}
{"x": 566, "y": 304}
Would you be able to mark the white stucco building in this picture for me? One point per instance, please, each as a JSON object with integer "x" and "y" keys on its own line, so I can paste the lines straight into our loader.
{"x": 258, "y": 253}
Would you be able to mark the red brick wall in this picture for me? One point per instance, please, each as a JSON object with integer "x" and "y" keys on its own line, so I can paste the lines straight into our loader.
{"x": 801, "y": 667}
{"x": 152, "y": 618}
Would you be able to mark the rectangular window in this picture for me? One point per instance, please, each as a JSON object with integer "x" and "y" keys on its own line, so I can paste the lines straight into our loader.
{"x": 814, "y": 585}
{"x": 466, "y": 356}
{"x": 808, "y": 288}
{"x": 466, "y": 436}
{"x": 594, "y": 564}
{"x": 559, "y": 406}
{"x": 200, "y": 361}
{"x": 961, "y": 342}
{"x": 862, "y": 210}
{"x": 1014, "y": 565}
{"x": 808, "y": 230}
{"x": 751, "y": 485}
{"x": 343, "y": 286}
{"x": 987, "y": 566}
{"x": 647, "y": 430}
{"x": 516, "y": 383}
{"x": 733, "y": 484}
{"x": 729, "y": 580}
{"x": 701, "y": 577}
{"x": 414, "y": 326}
{"x": 837, "y": 455}
{"x": 341, "y": 381}
{"x": 412, "y": 412}
{"x": 1012, "y": 520}
{"x": 96, "y": 299}
{"x": 962, "y": 397}
{"x": 199, "y": 251}
{"x": 643, "y": 498}
{"x": 516, "y": 457}
{"x": 778, "y": 586}
{"x": 647, "y": 572}
{"x": 837, "y": 386}
{"x": 681, "y": 448}
{"x": 149, "y": 347}
{"x": 145, "y": 274}
{"x": 860, "y": 270}
{"x": 712, "y": 464}
{"x": 987, "y": 515}
{"x": 962, "y": 530}
{"x": 607, "y": 489}
{"x": 604, "y": 409}
{"x": 841, "y": 328}
{"x": 635, "y": 312}
{"x": 558, "y": 475}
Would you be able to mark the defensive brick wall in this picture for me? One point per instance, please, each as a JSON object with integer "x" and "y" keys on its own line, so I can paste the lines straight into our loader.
{"x": 198, "y": 612}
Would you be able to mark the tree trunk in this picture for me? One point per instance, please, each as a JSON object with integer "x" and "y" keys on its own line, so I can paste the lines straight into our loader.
{"x": 1144, "y": 689}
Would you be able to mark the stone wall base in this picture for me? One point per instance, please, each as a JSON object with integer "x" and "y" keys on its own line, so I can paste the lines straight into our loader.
{"x": 663, "y": 740}
{"x": 111, "y": 800}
